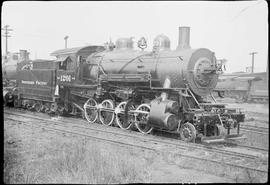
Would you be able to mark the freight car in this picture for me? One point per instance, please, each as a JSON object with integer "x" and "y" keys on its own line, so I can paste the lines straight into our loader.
{"x": 245, "y": 87}
{"x": 161, "y": 89}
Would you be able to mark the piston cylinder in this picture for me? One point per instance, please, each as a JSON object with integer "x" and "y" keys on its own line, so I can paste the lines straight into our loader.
{"x": 161, "y": 114}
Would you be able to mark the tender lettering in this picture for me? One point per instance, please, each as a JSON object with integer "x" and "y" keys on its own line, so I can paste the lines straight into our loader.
{"x": 28, "y": 82}
{"x": 34, "y": 82}
{"x": 41, "y": 83}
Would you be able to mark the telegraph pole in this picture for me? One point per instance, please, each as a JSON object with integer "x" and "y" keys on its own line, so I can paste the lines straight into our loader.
{"x": 252, "y": 67}
{"x": 66, "y": 37}
{"x": 6, "y": 29}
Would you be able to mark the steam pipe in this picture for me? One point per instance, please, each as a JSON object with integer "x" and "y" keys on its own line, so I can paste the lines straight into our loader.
{"x": 166, "y": 84}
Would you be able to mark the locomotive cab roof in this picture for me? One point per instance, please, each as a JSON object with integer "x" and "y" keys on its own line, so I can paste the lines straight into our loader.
{"x": 84, "y": 51}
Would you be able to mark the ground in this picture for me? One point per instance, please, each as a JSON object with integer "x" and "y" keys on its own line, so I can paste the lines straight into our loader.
{"x": 34, "y": 155}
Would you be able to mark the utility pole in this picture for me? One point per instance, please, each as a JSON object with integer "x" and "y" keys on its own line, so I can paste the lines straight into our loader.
{"x": 66, "y": 37}
{"x": 252, "y": 67}
{"x": 6, "y": 29}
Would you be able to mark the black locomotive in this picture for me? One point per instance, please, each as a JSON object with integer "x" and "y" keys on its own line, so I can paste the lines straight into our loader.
{"x": 117, "y": 85}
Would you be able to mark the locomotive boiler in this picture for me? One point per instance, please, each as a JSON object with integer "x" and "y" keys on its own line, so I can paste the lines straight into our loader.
{"x": 163, "y": 89}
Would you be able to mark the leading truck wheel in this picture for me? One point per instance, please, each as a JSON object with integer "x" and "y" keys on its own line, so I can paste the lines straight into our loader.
{"x": 188, "y": 132}
{"x": 90, "y": 110}
{"x": 142, "y": 116}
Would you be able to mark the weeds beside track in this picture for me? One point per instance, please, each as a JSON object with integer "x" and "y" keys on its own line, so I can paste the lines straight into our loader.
{"x": 226, "y": 159}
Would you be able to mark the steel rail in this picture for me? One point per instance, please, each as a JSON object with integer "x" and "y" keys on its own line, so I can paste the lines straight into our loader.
{"x": 254, "y": 147}
{"x": 65, "y": 130}
{"x": 139, "y": 136}
{"x": 251, "y": 127}
{"x": 255, "y": 130}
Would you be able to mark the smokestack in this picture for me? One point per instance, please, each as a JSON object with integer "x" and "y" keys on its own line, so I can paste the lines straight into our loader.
{"x": 24, "y": 55}
{"x": 183, "y": 40}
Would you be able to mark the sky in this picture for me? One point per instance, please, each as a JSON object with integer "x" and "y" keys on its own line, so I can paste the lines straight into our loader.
{"x": 231, "y": 29}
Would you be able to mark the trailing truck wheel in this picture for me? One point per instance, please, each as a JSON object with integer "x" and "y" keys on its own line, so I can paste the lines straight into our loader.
{"x": 106, "y": 112}
{"x": 188, "y": 132}
{"x": 120, "y": 116}
{"x": 142, "y": 116}
{"x": 90, "y": 110}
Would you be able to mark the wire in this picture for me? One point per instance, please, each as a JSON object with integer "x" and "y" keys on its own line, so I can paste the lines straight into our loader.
{"x": 244, "y": 9}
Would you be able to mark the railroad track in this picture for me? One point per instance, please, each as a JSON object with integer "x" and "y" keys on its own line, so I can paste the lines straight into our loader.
{"x": 230, "y": 159}
{"x": 255, "y": 129}
{"x": 79, "y": 123}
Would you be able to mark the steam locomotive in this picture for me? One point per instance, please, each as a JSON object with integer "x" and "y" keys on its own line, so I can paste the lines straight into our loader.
{"x": 117, "y": 85}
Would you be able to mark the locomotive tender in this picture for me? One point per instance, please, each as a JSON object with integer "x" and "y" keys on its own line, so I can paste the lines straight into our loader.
{"x": 161, "y": 89}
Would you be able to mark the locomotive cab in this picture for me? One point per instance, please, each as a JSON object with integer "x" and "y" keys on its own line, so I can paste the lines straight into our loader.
{"x": 73, "y": 66}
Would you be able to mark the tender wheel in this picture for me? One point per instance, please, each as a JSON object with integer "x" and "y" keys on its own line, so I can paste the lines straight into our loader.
{"x": 54, "y": 107}
{"x": 61, "y": 110}
{"x": 120, "y": 117}
{"x": 38, "y": 107}
{"x": 106, "y": 112}
{"x": 17, "y": 103}
{"x": 4, "y": 102}
{"x": 188, "y": 132}
{"x": 142, "y": 116}
{"x": 29, "y": 107}
{"x": 90, "y": 110}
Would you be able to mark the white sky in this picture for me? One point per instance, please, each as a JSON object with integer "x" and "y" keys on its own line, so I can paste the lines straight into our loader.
{"x": 231, "y": 29}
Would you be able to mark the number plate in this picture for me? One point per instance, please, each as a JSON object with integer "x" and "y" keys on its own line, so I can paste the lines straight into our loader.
{"x": 65, "y": 77}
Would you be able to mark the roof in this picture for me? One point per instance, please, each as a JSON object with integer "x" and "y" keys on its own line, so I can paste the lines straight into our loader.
{"x": 75, "y": 51}
{"x": 240, "y": 78}
{"x": 42, "y": 60}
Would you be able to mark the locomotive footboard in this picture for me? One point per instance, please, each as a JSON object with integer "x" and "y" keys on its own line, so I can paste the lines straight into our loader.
{"x": 217, "y": 124}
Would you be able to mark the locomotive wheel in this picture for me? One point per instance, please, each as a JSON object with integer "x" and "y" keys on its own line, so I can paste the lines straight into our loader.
{"x": 38, "y": 107}
{"x": 120, "y": 117}
{"x": 188, "y": 132}
{"x": 47, "y": 108}
{"x": 90, "y": 110}
{"x": 142, "y": 118}
{"x": 29, "y": 107}
{"x": 61, "y": 110}
{"x": 53, "y": 107}
{"x": 106, "y": 112}
{"x": 17, "y": 103}
{"x": 4, "y": 102}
